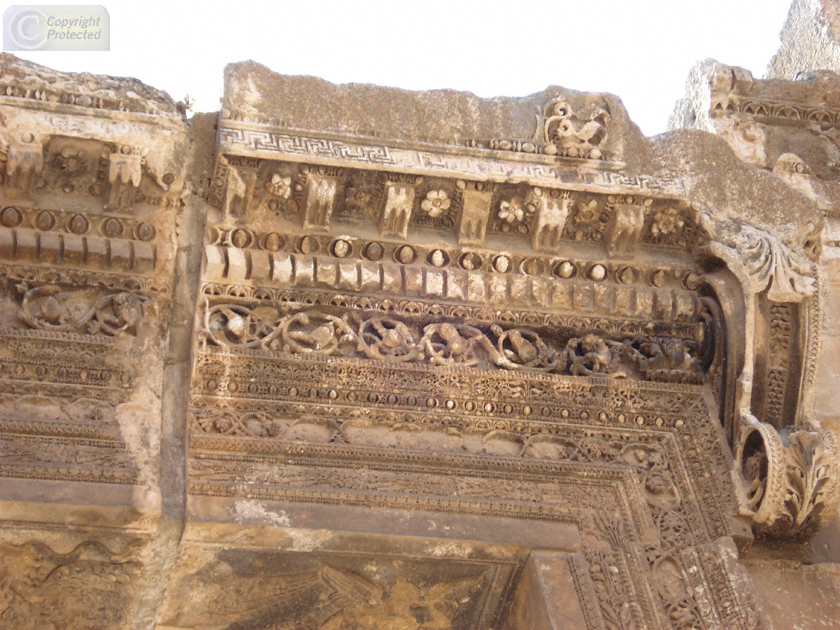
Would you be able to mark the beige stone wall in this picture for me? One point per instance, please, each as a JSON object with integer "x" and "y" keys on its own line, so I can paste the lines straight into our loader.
{"x": 766, "y": 124}
{"x": 407, "y": 362}
{"x": 810, "y": 40}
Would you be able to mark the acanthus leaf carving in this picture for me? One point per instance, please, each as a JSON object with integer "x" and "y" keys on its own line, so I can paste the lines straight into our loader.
{"x": 791, "y": 478}
{"x": 770, "y": 262}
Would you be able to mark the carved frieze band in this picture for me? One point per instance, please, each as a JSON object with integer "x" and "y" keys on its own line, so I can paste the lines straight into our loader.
{"x": 781, "y": 113}
{"x": 663, "y": 585}
{"x": 437, "y": 408}
{"x": 401, "y": 340}
{"x": 272, "y": 143}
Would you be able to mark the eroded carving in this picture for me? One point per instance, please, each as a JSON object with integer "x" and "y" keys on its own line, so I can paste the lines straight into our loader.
{"x": 396, "y": 213}
{"x": 124, "y": 174}
{"x": 403, "y": 340}
{"x": 88, "y": 588}
{"x": 239, "y": 191}
{"x": 50, "y": 308}
{"x": 627, "y": 220}
{"x": 364, "y": 604}
{"x": 549, "y": 219}
{"x": 790, "y": 477}
{"x": 320, "y": 199}
{"x": 575, "y": 134}
{"x": 23, "y": 164}
{"x": 771, "y": 263}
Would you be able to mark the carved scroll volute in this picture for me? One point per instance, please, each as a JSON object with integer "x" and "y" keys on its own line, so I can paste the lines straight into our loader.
{"x": 769, "y": 263}
{"x": 778, "y": 284}
{"x": 791, "y": 478}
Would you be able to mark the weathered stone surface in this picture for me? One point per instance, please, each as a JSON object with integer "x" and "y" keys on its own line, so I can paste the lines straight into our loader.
{"x": 546, "y": 598}
{"x": 356, "y": 357}
{"x": 798, "y": 596}
{"x": 27, "y": 80}
{"x": 556, "y": 117}
{"x": 783, "y": 125}
{"x": 809, "y": 40}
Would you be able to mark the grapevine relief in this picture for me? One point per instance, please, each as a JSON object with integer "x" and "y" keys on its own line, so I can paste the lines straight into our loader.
{"x": 50, "y": 308}
{"x": 443, "y": 343}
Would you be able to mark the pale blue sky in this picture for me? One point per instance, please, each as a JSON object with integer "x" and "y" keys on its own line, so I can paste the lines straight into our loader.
{"x": 640, "y": 50}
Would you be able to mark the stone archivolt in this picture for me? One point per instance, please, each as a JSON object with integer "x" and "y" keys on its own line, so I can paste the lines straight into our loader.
{"x": 334, "y": 378}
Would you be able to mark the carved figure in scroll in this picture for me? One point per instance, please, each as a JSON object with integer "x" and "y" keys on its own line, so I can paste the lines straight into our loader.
{"x": 525, "y": 350}
{"x": 321, "y": 334}
{"x": 447, "y": 344}
{"x": 116, "y": 313}
{"x": 50, "y": 308}
{"x": 388, "y": 339}
{"x": 669, "y": 360}
{"x": 234, "y": 325}
{"x": 592, "y": 355}
{"x": 45, "y": 307}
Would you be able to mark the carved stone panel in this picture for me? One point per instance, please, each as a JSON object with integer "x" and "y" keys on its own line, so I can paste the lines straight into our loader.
{"x": 86, "y": 257}
{"x": 259, "y": 587}
{"x": 466, "y": 364}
